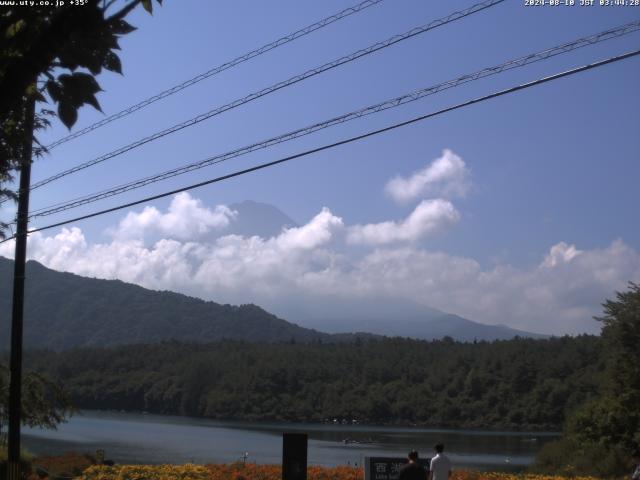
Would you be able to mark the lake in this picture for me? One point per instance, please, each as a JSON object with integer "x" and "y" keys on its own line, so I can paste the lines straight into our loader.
{"x": 141, "y": 438}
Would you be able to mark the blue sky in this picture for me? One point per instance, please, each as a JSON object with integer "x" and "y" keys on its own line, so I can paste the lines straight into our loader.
{"x": 556, "y": 163}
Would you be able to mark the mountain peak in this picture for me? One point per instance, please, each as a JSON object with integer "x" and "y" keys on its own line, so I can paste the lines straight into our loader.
{"x": 261, "y": 219}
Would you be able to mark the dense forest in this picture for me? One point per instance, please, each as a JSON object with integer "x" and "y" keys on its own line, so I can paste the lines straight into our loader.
{"x": 519, "y": 383}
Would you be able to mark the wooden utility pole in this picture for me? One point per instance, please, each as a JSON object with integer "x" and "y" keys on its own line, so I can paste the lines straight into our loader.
{"x": 22, "y": 219}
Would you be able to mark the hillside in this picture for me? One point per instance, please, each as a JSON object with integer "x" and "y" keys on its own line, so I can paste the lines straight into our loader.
{"x": 63, "y": 310}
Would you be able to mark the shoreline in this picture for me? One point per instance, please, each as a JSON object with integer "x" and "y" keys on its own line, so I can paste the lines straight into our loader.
{"x": 524, "y": 431}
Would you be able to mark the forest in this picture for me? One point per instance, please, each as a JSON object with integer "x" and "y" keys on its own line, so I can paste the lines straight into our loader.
{"x": 515, "y": 384}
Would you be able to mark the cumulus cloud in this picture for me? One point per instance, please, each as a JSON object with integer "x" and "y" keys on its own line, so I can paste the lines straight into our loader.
{"x": 446, "y": 176}
{"x": 560, "y": 298}
{"x": 315, "y": 233}
{"x": 186, "y": 218}
{"x": 559, "y": 254}
{"x": 429, "y": 217}
{"x": 559, "y": 295}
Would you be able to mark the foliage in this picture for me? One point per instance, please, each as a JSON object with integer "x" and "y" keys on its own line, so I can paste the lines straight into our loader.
{"x": 60, "y": 466}
{"x": 570, "y": 457}
{"x": 44, "y": 403}
{"x": 616, "y": 420}
{"x": 269, "y": 472}
{"x": 25, "y": 455}
{"x": 470, "y": 475}
{"x": 57, "y": 51}
{"x": 602, "y": 435}
{"x": 520, "y": 383}
{"x": 25, "y": 458}
{"x": 53, "y": 44}
{"x": 139, "y": 472}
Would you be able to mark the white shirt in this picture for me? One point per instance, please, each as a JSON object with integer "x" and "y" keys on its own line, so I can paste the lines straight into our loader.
{"x": 440, "y": 466}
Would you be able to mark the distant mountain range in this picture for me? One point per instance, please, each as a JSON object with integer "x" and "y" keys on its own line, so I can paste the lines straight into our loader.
{"x": 390, "y": 317}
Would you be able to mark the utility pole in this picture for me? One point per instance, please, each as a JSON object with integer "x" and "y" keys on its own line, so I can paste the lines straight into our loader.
{"x": 22, "y": 219}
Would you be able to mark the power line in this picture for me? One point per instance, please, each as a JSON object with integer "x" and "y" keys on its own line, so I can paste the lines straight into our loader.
{"x": 345, "y": 141}
{"x": 388, "y": 104}
{"x": 219, "y": 69}
{"x": 278, "y": 86}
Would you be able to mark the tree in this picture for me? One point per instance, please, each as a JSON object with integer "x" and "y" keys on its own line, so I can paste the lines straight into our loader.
{"x": 56, "y": 52}
{"x": 614, "y": 419}
{"x": 44, "y": 403}
{"x": 601, "y": 437}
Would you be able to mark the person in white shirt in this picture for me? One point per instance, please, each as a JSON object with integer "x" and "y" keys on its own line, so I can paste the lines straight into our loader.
{"x": 635, "y": 475}
{"x": 440, "y": 467}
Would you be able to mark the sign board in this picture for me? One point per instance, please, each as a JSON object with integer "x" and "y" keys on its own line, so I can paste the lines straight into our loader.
{"x": 388, "y": 468}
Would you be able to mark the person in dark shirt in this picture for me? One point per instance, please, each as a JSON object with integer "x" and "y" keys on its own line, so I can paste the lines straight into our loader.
{"x": 413, "y": 470}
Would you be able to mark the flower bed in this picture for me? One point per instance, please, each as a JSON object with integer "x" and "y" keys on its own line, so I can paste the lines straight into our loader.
{"x": 265, "y": 472}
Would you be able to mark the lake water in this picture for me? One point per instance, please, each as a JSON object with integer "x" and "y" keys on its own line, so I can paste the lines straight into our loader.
{"x": 140, "y": 438}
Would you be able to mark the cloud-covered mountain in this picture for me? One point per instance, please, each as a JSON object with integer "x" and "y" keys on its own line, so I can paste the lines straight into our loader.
{"x": 330, "y": 270}
{"x": 255, "y": 218}
{"x": 63, "y": 311}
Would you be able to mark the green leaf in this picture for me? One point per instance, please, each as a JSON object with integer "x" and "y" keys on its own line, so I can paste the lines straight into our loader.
{"x": 54, "y": 90}
{"x": 121, "y": 27}
{"x": 79, "y": 87}
{"x": 14, "y": 29}
{"x": 93, "y": 63}
{"x": 68, "y": 59}
{"x": 39, "y": 97}
{"x": 112, "y": 62}
{"x": 68, "y": 113}
{"x": 147, "y": 5}
{"x": 93, "y": 101}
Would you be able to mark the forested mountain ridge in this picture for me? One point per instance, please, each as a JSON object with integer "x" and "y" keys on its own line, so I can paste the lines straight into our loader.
{"x": 63, "y": 310}
{"x": 515, "y": 384}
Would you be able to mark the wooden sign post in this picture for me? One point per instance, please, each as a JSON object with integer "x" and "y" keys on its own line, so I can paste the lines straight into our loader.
{"x": 294, "y": 456}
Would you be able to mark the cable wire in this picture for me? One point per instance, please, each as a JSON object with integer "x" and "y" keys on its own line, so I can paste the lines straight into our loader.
{"x": 388, "y": 104}
{"x": 219, "y": 69}
{"x": 278, "y": 86}
{"x": 345, "y": 141}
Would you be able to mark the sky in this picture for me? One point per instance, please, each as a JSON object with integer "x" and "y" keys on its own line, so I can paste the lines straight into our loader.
{"x": 519, "y": 211}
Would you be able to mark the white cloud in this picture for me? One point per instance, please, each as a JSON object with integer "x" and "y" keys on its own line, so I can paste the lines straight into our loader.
{"x": 429, "y": 217}
{"x": 559, "y": 295}
{"x": 315, "y": 233}
{"x": 186, "y": 218}
{"x": 446, "y": 176}
{"x": 552, "y": 299}
{"x": 560, "y": 253}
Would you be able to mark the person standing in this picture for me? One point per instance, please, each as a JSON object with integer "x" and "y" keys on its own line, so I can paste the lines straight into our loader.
{"x": 440, "y": 467}
{"x": 413, "y": 470}
{"x": 635, "y": 475}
